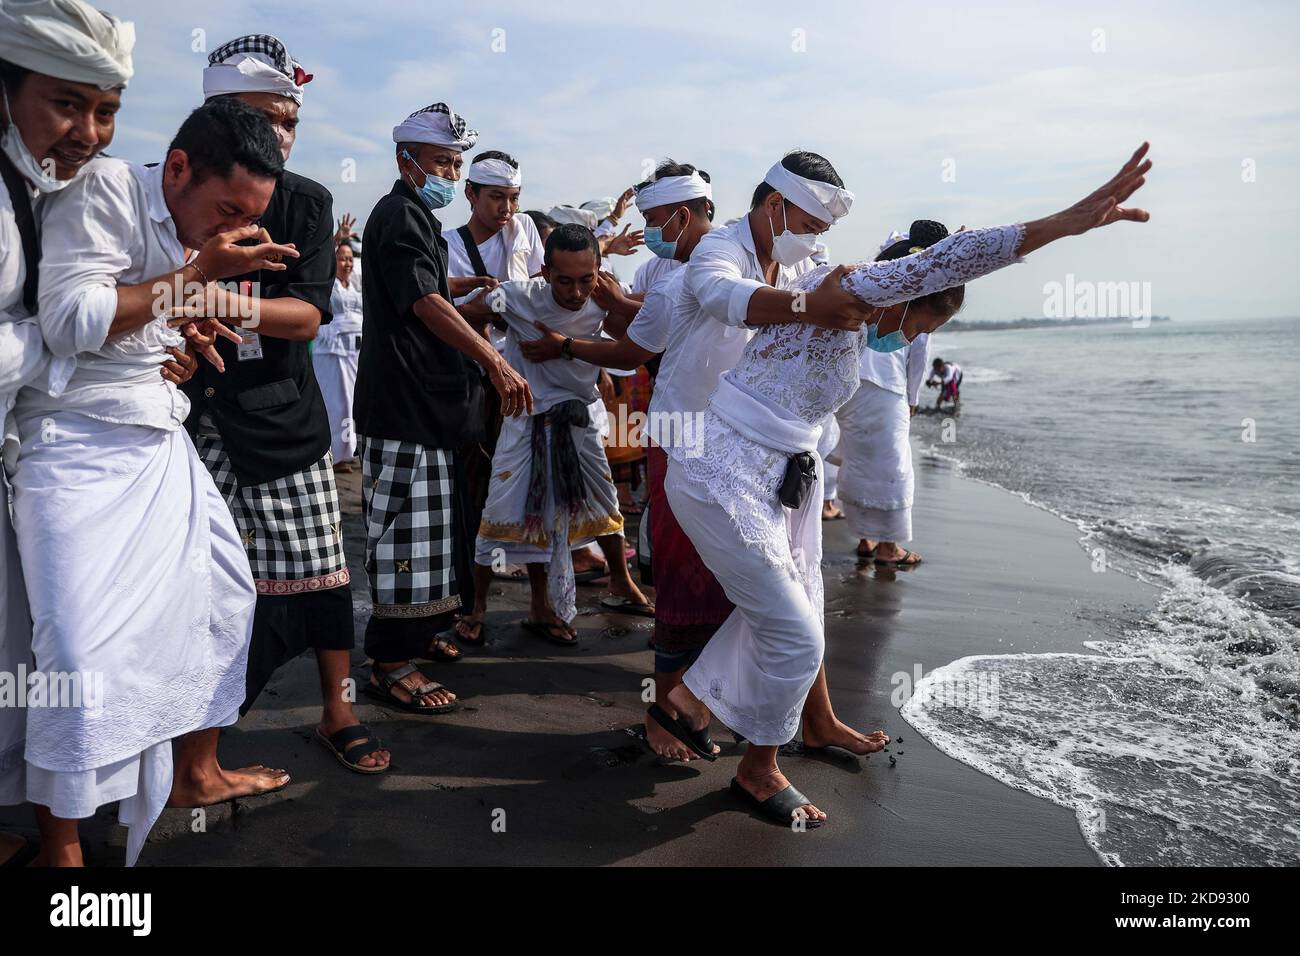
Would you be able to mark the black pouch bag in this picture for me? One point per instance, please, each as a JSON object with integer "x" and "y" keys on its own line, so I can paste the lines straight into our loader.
{"x": 800, "y": 472}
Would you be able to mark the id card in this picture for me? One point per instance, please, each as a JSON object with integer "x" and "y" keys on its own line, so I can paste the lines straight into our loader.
{"x": 251, "y": 347}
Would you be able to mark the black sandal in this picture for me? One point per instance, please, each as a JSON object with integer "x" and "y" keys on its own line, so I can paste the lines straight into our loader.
{"x": 478, "y": 640}
{"x": 441, "y": 650}
{"x": 698, "y": 740}
{"x": 547, "y": 631}
{"x": 902, "y": 562}
{"x": 383, "y": 691}
{"x": 779, "y": 807}
{"x": 338, "y": 744}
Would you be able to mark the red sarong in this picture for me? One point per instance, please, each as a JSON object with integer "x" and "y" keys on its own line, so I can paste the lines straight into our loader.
{"x": 689, "y": 602}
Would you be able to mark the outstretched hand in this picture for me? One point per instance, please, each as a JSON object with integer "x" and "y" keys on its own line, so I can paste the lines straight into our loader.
{"x": 1103, "y": 206}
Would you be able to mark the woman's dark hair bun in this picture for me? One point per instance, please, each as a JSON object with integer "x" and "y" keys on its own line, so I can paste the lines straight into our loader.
{"x": 923, "y": 233}
{"x": 926, "y": 232}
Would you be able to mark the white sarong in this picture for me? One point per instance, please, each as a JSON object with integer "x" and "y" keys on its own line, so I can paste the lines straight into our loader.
{"x": 138, "y": 582}
{"x": 876, "y": 481}
{"x": 503, "y": 535}
{"x": 755, "y": 672}
{"x": 15, "y": 653}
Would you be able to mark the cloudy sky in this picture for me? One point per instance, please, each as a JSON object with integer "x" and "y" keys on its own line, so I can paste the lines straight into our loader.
{"x": 975, "y": 114}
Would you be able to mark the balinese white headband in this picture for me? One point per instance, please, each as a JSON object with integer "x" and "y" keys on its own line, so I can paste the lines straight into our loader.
{"x": 494, "y": 172}
{"x": 673, "y": 189}
{"x": 248, "y": 73}
{"x": 828, "y": 203}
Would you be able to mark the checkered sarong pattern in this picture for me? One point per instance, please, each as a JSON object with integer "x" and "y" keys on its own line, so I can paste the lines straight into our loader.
{"x": 406, "y": 498}
{"x": 292, "y": 527}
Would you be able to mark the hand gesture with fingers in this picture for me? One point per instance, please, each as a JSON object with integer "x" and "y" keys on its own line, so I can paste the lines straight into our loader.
{"x": 1103, "y": 206}
{"x": 346, "y": 228}
{"x": 222, "y": 257}
{"x": 202, "y": 338}
{"x": 625, "y": 243}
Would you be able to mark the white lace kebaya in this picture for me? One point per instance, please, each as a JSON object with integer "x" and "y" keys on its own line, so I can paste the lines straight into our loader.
{"x": 757, "y": 669}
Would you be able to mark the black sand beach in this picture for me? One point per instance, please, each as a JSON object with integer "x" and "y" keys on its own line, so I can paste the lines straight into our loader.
{"x": 540, "y": 747}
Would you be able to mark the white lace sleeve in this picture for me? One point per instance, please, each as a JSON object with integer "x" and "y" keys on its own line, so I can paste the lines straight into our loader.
{"x": 953, "y": 261}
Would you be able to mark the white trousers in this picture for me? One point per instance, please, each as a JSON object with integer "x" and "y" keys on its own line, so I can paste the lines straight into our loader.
{"x": 756, "y": 671}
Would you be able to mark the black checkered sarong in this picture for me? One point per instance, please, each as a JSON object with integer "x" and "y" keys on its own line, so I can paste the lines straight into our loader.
{"x": 291, "y": 527}
{"x": 408, "y": 504}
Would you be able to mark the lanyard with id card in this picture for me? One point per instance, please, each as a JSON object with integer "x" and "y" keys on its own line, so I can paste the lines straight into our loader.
{"x": 251, "y": 346}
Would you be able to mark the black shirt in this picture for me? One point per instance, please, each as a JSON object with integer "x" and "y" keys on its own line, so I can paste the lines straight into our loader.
{"x": 411, "y": 385}
{"x": 269, "y": 410}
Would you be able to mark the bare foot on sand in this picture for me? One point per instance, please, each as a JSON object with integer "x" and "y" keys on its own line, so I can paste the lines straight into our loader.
{"x": 204, "y": 790}
{"x": 841, "y": 735}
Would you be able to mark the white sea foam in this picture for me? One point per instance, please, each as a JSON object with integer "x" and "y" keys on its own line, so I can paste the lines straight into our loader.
{"x": 1176, "y": 744}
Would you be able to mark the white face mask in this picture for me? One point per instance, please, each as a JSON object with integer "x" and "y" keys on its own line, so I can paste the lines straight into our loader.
{"x": 42, "y": 178}
{"x": 789, "y": 249}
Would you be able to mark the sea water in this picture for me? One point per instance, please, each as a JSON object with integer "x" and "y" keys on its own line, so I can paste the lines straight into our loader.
{"x": 1175, "y": 448}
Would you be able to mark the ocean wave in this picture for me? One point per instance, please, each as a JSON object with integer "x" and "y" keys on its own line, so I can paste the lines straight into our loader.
{"x": 1176, "y": 744}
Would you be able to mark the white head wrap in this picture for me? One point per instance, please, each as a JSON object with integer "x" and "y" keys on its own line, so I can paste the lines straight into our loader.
{"x": 893, "y": 237}
{"x": 67, "y": 39}
{"x": 600, "y": 208}
{"x": 257, "y": 63}
{"x": 436, "y": 125}
{"x": 673, "y": 189}
{"x": 828, "y": 203}
{"x": 583, "y": 217}
{"x": 494, "y": 172}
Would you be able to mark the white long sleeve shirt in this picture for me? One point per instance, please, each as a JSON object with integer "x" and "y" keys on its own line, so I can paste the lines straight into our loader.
{"x": 707, "y": 331}
{"x": 22, "y": 349}
{"x": 112, "y": 226}
{"x": 901, "y": 371}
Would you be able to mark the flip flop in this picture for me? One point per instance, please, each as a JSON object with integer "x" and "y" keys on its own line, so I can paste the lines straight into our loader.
{"x": 901, "y": 562}
{"x": 622, "y": 605}
{"x": 698, "y": 740}
{"x": 779, "y": 807}
{"x": 478, "y": 640}
{"x": 546, "y": 631}
{"x": 437, "y": 649}
{"x": 338, "y": 745}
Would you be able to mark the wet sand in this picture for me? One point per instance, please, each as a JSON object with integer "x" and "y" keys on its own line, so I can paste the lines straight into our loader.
{"x": 537, "y": 767}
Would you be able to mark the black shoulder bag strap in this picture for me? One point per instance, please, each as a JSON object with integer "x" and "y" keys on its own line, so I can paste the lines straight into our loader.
{"x": 471, "y": 250}
{"x": 22, "y": 201}
{"x": 476, "y": 260}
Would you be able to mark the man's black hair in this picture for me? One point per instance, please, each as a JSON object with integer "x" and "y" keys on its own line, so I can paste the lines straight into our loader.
{"x": 570, "y": 237}
{"x": 806, "y": 164}
{"x": 226, "y": 132}
{"x": 542, "y": 221}
{"x": 12, "y": 76}
{"x": 699, "y": 206}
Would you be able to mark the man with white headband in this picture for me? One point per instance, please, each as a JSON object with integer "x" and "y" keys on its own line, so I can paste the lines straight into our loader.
{"x": 419, "y": 409}
{"x": 496, "y": 244}
{"x": 52, "y": 53}
{"x": 263, "y": 431}
{"x": 739, "y": 278}
{"x": 551, "y": 488}
{"x": 689, "y": 605}
{"x": 136, "y": 575}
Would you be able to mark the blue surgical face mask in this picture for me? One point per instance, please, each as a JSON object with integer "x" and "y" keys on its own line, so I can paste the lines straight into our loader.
{"x": 654, "y": 241}
{"x": 890, "y": 342}
{"x": 436, "y": 191}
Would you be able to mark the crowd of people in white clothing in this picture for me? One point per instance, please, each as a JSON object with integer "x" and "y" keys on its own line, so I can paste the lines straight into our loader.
{"x": 193, "y": 348}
